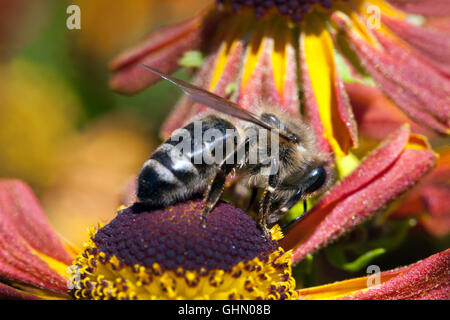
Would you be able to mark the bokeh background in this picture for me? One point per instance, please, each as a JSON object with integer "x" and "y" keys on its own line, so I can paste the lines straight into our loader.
{"x": 62, "y": 130}
{"x": 79, "y": 145}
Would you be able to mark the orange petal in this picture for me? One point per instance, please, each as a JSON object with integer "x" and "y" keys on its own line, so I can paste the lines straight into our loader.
{"x": 400, "y": 162}
{"x": 427, "y": 279}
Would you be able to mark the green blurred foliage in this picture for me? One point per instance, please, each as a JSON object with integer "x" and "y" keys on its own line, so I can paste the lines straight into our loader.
{"x": 55, "y": 47}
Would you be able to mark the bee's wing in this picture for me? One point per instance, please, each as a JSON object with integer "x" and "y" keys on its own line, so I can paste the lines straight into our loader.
{"x": 214, "y": 101}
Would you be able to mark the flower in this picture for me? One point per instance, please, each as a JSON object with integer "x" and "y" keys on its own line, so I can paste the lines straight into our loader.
{"x": 259, "y": 50}
{"x": 153, "y": 255}
{"x": 165, "y": 253}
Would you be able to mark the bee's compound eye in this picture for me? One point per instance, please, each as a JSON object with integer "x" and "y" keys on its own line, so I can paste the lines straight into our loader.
{"x": 315, "y": 179}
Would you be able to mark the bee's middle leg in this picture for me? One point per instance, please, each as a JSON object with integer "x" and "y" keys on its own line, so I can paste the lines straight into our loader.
{"x": 217, "y": 184}
{"x": 266, "y": 202}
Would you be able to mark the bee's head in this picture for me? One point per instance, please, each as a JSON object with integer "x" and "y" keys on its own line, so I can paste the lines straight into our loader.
{"x": 314, "y": 180}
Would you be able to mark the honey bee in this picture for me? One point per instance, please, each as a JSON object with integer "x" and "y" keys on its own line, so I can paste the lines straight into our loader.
{"x": 294, "y": 173}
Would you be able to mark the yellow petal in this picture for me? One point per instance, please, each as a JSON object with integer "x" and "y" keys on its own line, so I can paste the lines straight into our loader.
{"x": 318, "y": 54}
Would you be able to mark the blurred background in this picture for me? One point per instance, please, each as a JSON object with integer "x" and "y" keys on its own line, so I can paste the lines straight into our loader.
{"x": 79, "y": 145}
{"x": 62, "y": 130}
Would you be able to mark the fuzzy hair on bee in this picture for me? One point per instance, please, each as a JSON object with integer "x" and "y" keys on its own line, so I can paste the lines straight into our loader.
{"x": 272, "y": 150}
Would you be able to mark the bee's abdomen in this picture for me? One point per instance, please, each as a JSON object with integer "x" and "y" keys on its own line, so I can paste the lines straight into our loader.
{"x": 172, "y": 174}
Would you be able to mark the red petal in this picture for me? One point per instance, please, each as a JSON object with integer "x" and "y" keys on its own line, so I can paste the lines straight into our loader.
{"x": 19, "y": 206}
{"x": 186, "y": 108}
{"x": 415, "y": 87}
{"x": 23, "y": 227}
{"x": 161, "y": 49}
{"x": 437, "y": 203}
{"x": 380, "y": 178}
{"x": 376, "y": 115}
{"x": 10, "y": 293}
{"x": 438, "y": 8}
{"x": 430, "y": 200}
{"x": 432, "y": 44}
{"x": 428, "y": 279}
{"x": 439, "y": 23}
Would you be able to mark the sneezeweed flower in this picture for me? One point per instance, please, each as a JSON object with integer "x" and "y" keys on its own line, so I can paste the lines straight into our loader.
{"x": 163, "y": 254}
{"x": 261, "y": 51}
{"x": 166, "y": 254}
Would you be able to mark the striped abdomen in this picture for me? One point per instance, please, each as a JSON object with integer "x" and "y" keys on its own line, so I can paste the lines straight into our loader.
{"x": 173, "y": 173}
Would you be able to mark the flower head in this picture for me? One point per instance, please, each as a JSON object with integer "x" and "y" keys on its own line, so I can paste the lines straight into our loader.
{"x": 166, "y": 254}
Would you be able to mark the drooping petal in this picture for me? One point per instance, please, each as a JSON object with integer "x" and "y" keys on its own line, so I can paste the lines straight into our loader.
{"x": 394, "y": 167}
{"x": 426, "y": 279}
{"x": 376, "y": 115}
{"x": 161, "y": 49}
{"x": 10, "y": 293}
{"x": 439, "y": 23}
{"x": 219, "y": 70}
{"x": 254, "y": 71}
{"x": 430, "y": 200}
{"x": 30, "y": 252}
{"x": 185, "y": 107}
{"x": 19, "y": 206}
{"x": 269, "y": 69}
{"x": 402, "y": 78}
{"x": 437, "y": 8}
{"x": 326, "y": 103}
{"x": 432, "y": 44}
